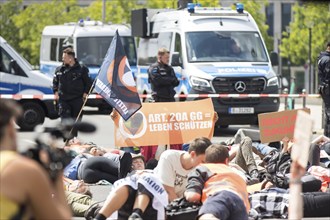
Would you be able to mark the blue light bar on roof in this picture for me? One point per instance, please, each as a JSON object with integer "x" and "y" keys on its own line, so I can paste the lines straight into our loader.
{"x": 239, "y": 7}
{"x": 191, "y": 7}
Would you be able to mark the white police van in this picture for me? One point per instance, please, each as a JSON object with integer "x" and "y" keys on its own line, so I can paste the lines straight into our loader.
{"x": 18, "y": 78}
{"x": 214, "y": 51}
{"x": 90, "y": 41}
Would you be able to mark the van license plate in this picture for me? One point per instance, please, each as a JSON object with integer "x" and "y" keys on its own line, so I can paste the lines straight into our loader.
{"x": 244, "y": 110}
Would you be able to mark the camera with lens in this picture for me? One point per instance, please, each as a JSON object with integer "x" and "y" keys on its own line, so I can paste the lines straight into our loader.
{"x": 55, "y": 159}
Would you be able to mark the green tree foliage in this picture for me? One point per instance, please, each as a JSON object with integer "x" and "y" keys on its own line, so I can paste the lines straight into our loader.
{"x": 8, "y": 29}
{"x": 161, "y": 4}
{"x": 117, "y": 11}
{"x": 31, "y": 21}
{"x": 296, "y": 43}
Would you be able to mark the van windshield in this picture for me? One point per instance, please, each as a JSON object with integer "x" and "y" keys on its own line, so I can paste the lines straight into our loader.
{"x": 92, "y": 50}
{"x": 218, "y": 46}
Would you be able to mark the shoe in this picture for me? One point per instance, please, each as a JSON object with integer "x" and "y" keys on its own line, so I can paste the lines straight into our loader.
{"x": 254, "y": 174}
{"x": 125, "y": 166}
{"x": 134, "y": 216}
{"x": 92, "y": 211}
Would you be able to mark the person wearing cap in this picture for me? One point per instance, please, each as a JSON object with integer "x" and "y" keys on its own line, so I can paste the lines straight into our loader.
{"x": 324, "y": 85}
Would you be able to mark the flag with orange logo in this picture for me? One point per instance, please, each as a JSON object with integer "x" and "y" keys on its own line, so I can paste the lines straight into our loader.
{"x": 166, "y": 123}
{"x": 115, "y": 82}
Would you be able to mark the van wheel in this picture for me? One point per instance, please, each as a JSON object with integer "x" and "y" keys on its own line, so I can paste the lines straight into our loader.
{"x": 33, "y": 114}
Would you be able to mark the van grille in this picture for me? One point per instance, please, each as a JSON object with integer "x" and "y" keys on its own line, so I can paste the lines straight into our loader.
{"x": 227, "y": 85}
{"x": 254, "y": 85}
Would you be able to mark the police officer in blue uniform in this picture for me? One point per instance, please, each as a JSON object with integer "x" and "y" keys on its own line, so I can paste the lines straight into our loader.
{"x": 71, "y": 85}
{"x": 162, "y": 78}
{"x": 324, "y": 85}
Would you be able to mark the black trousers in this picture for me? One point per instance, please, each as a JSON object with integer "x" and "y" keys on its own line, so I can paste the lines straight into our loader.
{"x": 126, "y": 210}
{"x": 70, "y": 110}
{"x": 161, "y": 99}
{"x": 327, "y": 121}
{"x": 98, "y": 168}
{"x": 316, "y": 204}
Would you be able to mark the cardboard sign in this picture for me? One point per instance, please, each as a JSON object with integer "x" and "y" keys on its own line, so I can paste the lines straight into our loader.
{"x": 166, "y": 123}
{"x": 276, "y": 125}
{"x": 302, "y": 138}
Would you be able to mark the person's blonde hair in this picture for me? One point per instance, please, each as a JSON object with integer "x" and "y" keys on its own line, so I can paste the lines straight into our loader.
{"x": 162, "y": 51}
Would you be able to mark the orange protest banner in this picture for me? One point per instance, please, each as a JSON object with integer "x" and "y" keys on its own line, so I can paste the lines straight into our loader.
{"x": 277, "y": 125}
{"x": 166, "y": 123}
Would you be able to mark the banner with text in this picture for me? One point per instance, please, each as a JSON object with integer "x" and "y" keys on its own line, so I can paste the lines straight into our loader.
{"x": 277, "y": 125}
{"x": 166, "y": 123}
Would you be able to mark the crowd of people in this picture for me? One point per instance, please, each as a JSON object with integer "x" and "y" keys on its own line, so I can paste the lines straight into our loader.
{"x": 240, "y": 178}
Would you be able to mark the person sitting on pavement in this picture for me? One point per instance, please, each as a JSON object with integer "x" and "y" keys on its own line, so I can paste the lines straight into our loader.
{"x": 222, "y": 191}
{"x": 26, "y": 191}
{"x": 174, "y": 166}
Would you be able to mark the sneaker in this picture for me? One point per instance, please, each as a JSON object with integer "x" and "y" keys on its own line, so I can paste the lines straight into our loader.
{"x": 92, "y": 211}
{"x": 134, "y": 216}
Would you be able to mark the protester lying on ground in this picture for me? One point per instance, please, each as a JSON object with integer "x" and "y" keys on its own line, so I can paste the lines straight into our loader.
{"x": 139, "y": 196}
{"x": 93, "y": 166}
{"x": 221, "y": 190}
{"x": 278, "y": 169}
{"x": 174, "y": 166}
{"x": 26, "y": 191}
{"x": 274, "y": 203}
{"x": 82, "y": 205}
{"x": 242, "y": 155}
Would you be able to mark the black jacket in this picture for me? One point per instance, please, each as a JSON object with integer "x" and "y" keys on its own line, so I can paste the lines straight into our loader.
{"x": 71, "y": 82}
{"x": 324, "y": 67}
{"x": 163, "y": 80}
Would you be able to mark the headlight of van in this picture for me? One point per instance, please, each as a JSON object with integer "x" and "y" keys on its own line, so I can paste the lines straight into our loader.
{"x": 272, "y": 81}
{"x": 200, "y": 84}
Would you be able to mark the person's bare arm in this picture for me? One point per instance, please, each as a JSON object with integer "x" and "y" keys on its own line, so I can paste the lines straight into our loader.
{"x": 47, "y": 199}
{"x": 285, "y": 141}
{"x": 192, "y": 196}
{"x": 320, "y": 139}
{"x": 171, "y": 192}
{"x": 296, "y": 200}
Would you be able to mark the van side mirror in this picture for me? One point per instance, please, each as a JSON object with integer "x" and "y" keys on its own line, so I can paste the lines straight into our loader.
{"x": 176, "y": 59}
{"x": 274, "y": 58}
{"x": 12, "y": 67}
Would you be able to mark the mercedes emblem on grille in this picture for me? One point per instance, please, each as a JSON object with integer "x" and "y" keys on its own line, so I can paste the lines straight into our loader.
{"x": 240, "y": 86}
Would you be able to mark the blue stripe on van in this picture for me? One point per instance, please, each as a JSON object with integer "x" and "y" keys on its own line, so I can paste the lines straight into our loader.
{"x": 14, "y": 88}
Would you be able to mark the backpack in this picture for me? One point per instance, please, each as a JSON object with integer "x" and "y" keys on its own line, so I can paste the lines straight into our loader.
{"x": 181, "y": 209}
{"x": 277, "y": 166}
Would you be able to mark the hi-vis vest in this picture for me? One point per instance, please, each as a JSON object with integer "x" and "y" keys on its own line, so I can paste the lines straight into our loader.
{"x": 225, "y": 178}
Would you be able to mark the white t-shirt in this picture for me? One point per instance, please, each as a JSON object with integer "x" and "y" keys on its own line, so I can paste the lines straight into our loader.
{"x": 171, "y": 172}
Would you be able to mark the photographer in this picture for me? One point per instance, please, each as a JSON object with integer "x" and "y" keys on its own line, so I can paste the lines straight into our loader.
{"x": 26, "y": 189}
